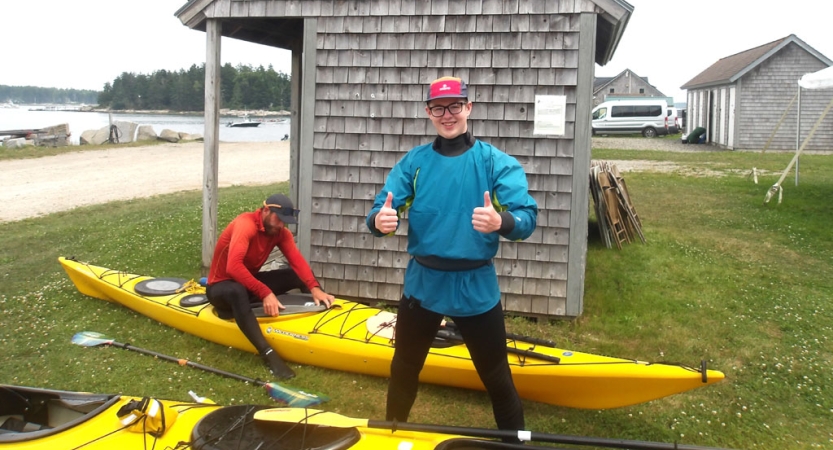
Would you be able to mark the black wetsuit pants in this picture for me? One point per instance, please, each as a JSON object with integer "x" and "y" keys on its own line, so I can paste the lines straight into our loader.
{"x": 485, "y": 337}
{"x": 231, "y": 295}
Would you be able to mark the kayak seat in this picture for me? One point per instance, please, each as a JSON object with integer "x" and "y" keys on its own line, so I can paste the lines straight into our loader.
{"x": 295, "y": 303}
{"x": 218, "y": 431}
{"x": 479, "y": 444}
{"x": 32, "y": 413}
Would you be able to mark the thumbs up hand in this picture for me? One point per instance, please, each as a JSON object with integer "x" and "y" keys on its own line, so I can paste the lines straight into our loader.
{"x": 485, "y": 219}
{"x": 386, "y": 219}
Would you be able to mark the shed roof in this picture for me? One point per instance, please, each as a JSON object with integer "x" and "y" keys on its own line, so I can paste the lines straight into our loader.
{"x": 601, "y": 82}
{"x": 729, "y": 69}
{"x": 282, "y": 32}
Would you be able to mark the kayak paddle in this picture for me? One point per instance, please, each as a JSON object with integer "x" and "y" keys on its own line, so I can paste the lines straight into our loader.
{"x": 326, "y": 418}
{"x": 283, "y": 394}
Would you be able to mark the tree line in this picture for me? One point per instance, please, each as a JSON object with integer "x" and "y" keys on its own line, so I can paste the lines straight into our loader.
{"x": 241, "y": 87}
{"x": 39, "y": 95}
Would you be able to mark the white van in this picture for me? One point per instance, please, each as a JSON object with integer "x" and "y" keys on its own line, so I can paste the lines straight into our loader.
{"x": 644, "y": 116}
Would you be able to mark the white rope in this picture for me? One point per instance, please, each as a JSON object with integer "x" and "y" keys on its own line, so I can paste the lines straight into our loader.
{"x": 797, "y": 154}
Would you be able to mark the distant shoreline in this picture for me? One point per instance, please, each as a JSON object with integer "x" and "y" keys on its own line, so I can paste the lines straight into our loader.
{"x": 86, "y": 108}
{"x": 223, "y": 112}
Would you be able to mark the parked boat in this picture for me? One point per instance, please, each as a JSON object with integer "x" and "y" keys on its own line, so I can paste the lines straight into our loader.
{"x": 357, "y": 338}
{"x": 246, "y": 122}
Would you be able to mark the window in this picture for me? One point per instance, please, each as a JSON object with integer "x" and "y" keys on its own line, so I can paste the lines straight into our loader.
{"x": 611, "y": 91}
{"x": 636, "y": 111}
{"x": 621, "y": 111}
{"x": 641, "y": 90}
{"x": 600, "y": 113}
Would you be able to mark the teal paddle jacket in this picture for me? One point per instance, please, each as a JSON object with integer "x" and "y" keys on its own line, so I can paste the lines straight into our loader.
{"x": 439, "y": 194}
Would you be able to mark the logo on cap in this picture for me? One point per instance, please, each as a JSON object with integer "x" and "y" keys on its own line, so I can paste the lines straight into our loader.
{"x": 447, "y": 87}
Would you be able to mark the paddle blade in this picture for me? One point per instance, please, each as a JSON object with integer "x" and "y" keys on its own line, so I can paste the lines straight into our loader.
{"x": 293, "y": 397}
{"x": 308, "y": 416}
{"x": 90, "y": 339}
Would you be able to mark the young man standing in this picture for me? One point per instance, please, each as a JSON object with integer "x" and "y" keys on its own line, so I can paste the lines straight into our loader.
{"x": 463, "y": 195}
{"x": 235, "y": 280}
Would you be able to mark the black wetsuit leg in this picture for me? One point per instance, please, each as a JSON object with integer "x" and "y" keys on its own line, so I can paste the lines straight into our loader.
{"x": 485, "y": 337}
{"x": 231, "y": 295}
{"x": 281, "y": 281}
{"x": 416, "y": 329}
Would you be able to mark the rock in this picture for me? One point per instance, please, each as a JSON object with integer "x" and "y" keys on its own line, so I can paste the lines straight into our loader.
{"x": 169, "y": 135}
{"x": 101, "y": 136}
{"x": 190, "y": 137}
{"x": 146, "y": 133}
{"x": 127, "y": 131}
{"x": 15, "y": 143}
{"x": 87, "y": 137}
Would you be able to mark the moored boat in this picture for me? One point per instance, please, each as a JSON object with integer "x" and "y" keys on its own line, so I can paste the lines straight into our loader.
{"x": 246, "y": 122}
{"x": 354, "y": 337}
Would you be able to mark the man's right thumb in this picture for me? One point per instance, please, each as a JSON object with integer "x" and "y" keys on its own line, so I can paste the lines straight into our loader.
{"x": 389, "y": 201}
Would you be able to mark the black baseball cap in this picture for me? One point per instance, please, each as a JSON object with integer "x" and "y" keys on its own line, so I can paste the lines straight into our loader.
{"x": 282, "y": 206}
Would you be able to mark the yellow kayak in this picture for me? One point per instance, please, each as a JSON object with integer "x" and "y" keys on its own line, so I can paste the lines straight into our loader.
{"x": 354, "y": 337}
{"x": 45, "y": 419}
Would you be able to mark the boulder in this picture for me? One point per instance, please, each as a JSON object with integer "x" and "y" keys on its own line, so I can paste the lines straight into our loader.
{"x": 169, "y": 135}
{"x": 127, "y": 131}
{"x": 190, "y": 137}
{"x": 87, "y": 137}
{"x": 146, "y": 133}
{"x": 15, "y": 143}
{"x": 101, "y": 136}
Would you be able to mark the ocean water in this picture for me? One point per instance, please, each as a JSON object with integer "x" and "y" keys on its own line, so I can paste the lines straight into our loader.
{"x": 24, "y": 117}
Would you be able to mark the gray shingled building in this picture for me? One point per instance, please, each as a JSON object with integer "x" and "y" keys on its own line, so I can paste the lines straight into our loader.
{"x": 359, "y": 72}
{"x": 741, "y": 99}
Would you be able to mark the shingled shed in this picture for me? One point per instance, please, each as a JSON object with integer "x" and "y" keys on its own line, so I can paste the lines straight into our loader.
{"x": 359, "y": 72}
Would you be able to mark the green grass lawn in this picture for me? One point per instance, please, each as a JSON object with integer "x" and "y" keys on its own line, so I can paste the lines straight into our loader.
{"x": 722, "y": 278}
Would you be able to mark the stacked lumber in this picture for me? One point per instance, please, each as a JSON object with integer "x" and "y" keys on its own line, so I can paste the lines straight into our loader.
{"x": 618, "y": 220}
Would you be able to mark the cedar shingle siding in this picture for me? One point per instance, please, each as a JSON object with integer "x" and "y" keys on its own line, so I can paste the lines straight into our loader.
{"x": 741, "y": 98}
{"x": 371, "y": 76}
{"x": 373, "y": 61}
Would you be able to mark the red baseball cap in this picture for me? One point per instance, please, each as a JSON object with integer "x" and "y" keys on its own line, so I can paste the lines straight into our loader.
{"x": 447, "y": 87}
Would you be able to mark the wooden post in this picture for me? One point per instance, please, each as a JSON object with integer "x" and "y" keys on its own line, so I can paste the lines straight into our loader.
{"x": 213, "y": 29}
{"x": 306, "y": 118}
{"x": 577, "y": 257}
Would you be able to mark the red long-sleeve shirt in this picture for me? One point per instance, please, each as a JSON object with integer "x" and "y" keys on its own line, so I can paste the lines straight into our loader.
{"x": 243, "y": 248}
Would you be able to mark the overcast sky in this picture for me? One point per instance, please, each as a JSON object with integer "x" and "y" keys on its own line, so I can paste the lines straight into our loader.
{"x": 86, "y": 43}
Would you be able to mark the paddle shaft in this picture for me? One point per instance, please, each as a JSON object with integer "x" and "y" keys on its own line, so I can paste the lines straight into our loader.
{"x": 533, "y": 436}
{"x": 516, "y": 337}
{"x": 186, "y": 362}
{"x": 452, "y": 336}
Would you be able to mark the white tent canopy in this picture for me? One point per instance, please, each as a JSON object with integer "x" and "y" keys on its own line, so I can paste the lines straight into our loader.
{"x": 823, "y": 79}
{"x": 817, "y": 80}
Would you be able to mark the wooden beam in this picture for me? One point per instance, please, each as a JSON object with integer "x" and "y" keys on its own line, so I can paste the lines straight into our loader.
{"x": 211, "y": 147}
{"x": 577, "y": 253}
{"x": 306, "y": 134}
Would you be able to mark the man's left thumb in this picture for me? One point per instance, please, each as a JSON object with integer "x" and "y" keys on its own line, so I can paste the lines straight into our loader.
{"x": 487, "y": 201}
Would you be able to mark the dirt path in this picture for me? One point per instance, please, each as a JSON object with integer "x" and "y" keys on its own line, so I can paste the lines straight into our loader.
{"x": 35, "y": 187}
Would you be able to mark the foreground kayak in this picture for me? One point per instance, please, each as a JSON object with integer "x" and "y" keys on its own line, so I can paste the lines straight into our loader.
{"x": 352, "y": 337}
{"x": 32, "y": 418}
{"x": 45, "y": 419}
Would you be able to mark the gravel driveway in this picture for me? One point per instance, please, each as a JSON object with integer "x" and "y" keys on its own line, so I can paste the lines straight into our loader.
{"x": 37, "y": 186}
{"x": 641, "y": 143}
